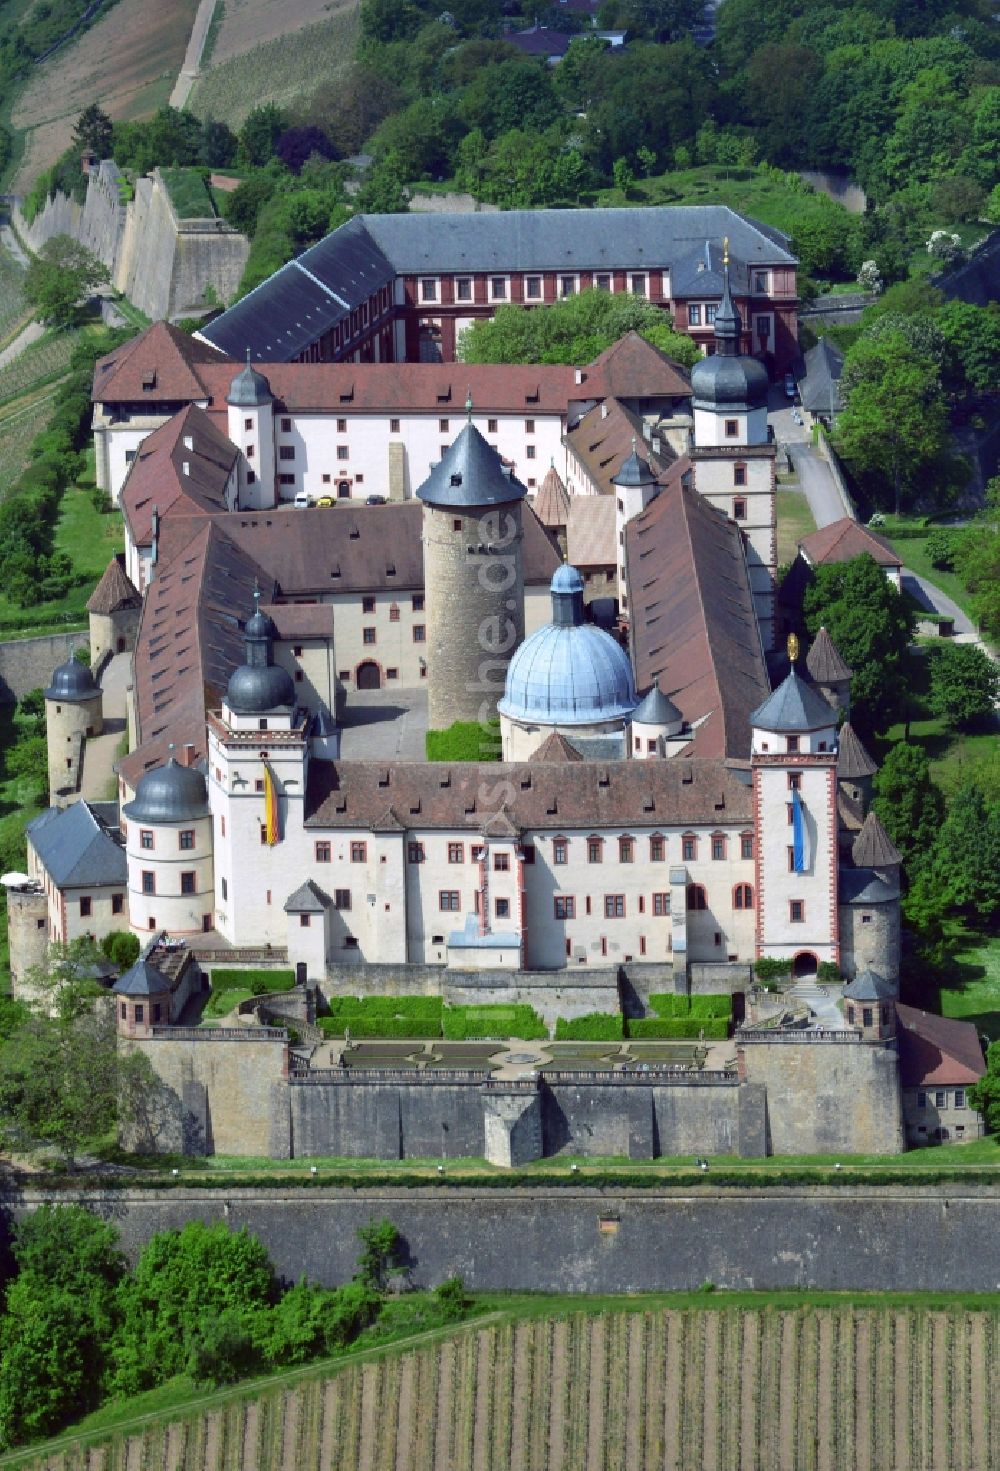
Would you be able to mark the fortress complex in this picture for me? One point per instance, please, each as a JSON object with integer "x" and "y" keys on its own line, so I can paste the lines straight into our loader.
{"x": 660, "y": 816}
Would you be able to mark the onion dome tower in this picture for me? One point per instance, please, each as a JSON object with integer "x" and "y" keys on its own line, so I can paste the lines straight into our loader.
{"x": 729, "y": 385}
{"x": 251, "y": 428}
{"x": 474, "y": 579}
{"x": 73, "y": 712}
{"x": 168, "y": 843}
{"x": 259, "y": 686}
{"x": 569, "y": 676}
{"x": 635, "y": 486}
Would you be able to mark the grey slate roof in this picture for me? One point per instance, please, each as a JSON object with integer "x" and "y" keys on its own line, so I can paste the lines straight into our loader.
{"x": 307, "y": 899}
{"x": 863, "y": 886}
{"x": 471, "y": 473}
{"x": 870, "y": 986}
{"x": 794, "y": 705}
{"x": 308, "y": 296}
{"x": 249, "y": 389}
{"x": 873, "y": 847}
{"x": 819, "y": 389}
{"x": 142, "y": 980}
{"x": 656, "y": 709}
{"x": 169, "y": 793}
{"x": 79, "y": 845}
{"x": 71, "y": 682}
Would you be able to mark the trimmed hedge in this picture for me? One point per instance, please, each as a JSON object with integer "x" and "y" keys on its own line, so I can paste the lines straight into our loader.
{"x": 669, "y": 1005}
{"x": 466, "y": 740}
{"x": 466, "y": 1023}
{"x": 691, "y": 1028}
{"x": 596, "y": 1026}
{"x": 256, "y": 981}
{"x": 396, "y": 1029}
{"x": 771, "y": 968}
{"x": 391, "y": 1017}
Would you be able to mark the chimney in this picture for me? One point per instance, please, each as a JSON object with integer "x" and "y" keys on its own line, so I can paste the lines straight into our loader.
{"x": 155, "y": 538}
{"x": 604, "y": 409}
{"x": 187, "y": 754}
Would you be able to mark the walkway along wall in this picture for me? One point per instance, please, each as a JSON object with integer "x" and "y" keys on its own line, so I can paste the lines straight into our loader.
{"x": 167, "y": 267}
{"x": 538, "y": 1239}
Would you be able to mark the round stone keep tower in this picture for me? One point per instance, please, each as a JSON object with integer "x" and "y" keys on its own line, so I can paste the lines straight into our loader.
{"x": 168, "y": 840}
{"x": 474, "y": 579}
{"x": 73, "y": 711}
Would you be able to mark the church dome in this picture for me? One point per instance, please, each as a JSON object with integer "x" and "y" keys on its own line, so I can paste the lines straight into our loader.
{"x": 170, "y": 793}
{"x": 729, "y": 382}
{"x": 569, "y": 672}
{"x": 72, "y": 681}
{"x": 255, "y": 689}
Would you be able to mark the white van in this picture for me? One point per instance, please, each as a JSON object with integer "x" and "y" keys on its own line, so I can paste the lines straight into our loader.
{"x": 303, "y": 500}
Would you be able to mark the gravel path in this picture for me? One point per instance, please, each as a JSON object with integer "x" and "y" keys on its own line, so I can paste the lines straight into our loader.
{"x": 192, "y": 57}
{"x": 27, "y": 335}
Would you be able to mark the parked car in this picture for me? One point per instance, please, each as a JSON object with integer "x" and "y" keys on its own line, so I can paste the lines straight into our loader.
{"x": 303, "y": 500}
{"x": 325, "y": 500}
{"x": 375, "y": 500}
{"x": 791, "y": 387}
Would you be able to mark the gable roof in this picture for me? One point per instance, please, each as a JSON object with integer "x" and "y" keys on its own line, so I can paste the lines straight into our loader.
{"x": 634, "y": 368}
{"x": 80, "y": 845}
{"x": 937, "y": 1049}
{"x": 819, "y": 388}
{"x": 115, "y": 591}
{"x": 604, "y": 438}
{"x": 843, "y": 540}
{"x": 185, "y": 464}
{"x": 692, "y": 625}
{"x": 161, "y": 365}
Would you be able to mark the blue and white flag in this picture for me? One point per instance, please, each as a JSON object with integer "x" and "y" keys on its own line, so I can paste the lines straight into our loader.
{"x": 801, "y": 856}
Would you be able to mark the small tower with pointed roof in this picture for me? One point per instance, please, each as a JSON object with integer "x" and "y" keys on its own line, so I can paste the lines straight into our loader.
{"x": 474, "y": 576}
{"x": 733, "y": 456}
{"x": 251, "y": 428}
{"x": 656, "y": 720}
{"x": 794, "y": 777}
{"x": 829, "y": 673}
{"x": 635, "y": 486}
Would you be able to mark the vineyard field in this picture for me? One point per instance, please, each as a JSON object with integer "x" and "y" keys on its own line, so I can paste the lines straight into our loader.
{"x": 714, "y": 1389}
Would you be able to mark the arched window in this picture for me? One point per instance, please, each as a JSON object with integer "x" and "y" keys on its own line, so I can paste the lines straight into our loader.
{"x": 743, "y": 897}
{"x": 696, "y": 897}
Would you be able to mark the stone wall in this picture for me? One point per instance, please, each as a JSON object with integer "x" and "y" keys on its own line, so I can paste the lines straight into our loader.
{"x": 163, "y": 265}
{"x": 27, "y": 663}
{"x": 826, "y": 1094}
{"x": 880, "y": 1239}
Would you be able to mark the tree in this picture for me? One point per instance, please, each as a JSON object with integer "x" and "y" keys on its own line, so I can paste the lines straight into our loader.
{"x": 573, "y": 330}
{"x": 93, "y": 130}
{"x": 957, "y": 198}
{"x": 967, "y": 855}
{"x": 965, "y": 684}
{"x": 985, "y": 1095}
{"x": 296, "y": 145}
{"x": 909, "y": 804}
{"x": 60, "y": 275}
{"x": 972, "y": 334}
{"x": 895, "y": 420}
{"x": 868, "y": 620}
{"x": 122, "y": 948}
{"x": 383, "y": 191}
{"x": 380, "y": 1253}
{"x": 259, "y": 134}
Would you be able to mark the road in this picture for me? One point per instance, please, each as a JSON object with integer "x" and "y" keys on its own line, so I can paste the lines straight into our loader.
{"x": 192, "y": 56}
{"x": 818, "y": 484}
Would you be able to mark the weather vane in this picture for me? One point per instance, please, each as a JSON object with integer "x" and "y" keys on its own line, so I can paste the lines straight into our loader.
{"x": 793, "y": 648}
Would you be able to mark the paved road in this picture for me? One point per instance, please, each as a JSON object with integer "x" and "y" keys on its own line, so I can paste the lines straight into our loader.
{"x": 818, "y": 484}
{"x": 98, "y": 783}
{"x": 24, "y": 338}
{"x": 192, "y": 56}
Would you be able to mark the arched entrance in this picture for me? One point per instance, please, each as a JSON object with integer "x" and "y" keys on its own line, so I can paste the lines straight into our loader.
{"x": 804, "y": 964}
{"x": 368, "y": 676}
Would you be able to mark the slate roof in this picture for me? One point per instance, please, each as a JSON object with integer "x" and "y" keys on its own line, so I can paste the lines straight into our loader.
{"x": 692, "y": 623}
{"x": 115, "y": 590}
{"x": 547, "y": 795}
{"x": 794, "y": 705}
{"x": 845, "y": 539}
{"x": 937, "y": 1049}
{"x": 873, "y": 847}
{"x": 308, "y": 296}
{"x": 551, "y": 504}
{"x": 824, "y": 662}
{"x": 470, "y": 473}
{"x": 862, "y": 886}
{"x": 591, "y": 539}
{"x": 603, "y": 439}
{"x": 307, "y": 899}
{"x": 656, "y": 709}
{"x": 157, "y": 478}
{"x": 142, "y": 979}
{"x": 852, "y": 758}
{"x": 539, "y": 41}
{"x": 976, "y": 280}
{"x": 870, "y": 986}
{"x": 80, "y": 845}
{"x": 819, "y": 387}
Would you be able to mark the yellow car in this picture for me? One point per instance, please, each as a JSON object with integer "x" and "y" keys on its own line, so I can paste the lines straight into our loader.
{"x": 325, "y": 500}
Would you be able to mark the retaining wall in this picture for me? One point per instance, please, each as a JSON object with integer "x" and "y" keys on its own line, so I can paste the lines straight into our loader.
{"x": 27, "y": 663}
{"x": 921, "y": 1238}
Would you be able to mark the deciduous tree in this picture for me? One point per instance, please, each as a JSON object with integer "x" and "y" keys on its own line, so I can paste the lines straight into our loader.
{"x": 965, "y": 684}
{"x": 60, "y": 276}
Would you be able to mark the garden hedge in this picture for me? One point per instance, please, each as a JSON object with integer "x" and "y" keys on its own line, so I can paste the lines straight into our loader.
{"x": 256, "y": 981}
{"x": 667, "y": 1005}
{"x": 714, "y": 1028}
{"x": 467, "y": 1023}
{"x": 596, "y": 1026}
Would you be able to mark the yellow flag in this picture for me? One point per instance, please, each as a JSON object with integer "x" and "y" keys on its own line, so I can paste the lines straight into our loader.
{"x": 270, "y": 807}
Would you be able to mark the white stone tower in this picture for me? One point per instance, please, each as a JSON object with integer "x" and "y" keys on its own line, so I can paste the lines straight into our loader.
{"x": 474, "y": 576}
{"x": 251, "y": 429}
{"x": 635, "y": 486}
{"x": 733, "y": 455}
{"x": 73, "y": 712}
{"x": 794, "y": 775}
{"x": 168, "y": 842}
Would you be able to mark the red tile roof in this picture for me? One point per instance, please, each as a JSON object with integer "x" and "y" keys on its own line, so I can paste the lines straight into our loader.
{"x": 161, "y": 365}
{"x": 115, "y": 589}
{"x": 691, "y": 616}
{"x": 158, "y": 477}
{"x": 603, "y": 439}
{"x": 936, "y": 1050}
{"x": 634, "y": 368}
{"x": 552, "y": 501}
{"x": 845, "y": 539}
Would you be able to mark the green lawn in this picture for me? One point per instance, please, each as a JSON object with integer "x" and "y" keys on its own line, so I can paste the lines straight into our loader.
{"x": 974, "y": 991}
{"x": 189, "y": 193}
{"x": 912, "y": 551}
{"x": 795, "y": 521}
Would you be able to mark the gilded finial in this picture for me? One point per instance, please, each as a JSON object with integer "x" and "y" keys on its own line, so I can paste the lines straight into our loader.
{"x": 793, "y": 648}
{"x": 725, "y": 252}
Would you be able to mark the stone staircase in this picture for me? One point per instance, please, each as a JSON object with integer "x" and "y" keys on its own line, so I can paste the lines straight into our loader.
{"x": 820, "y": 999}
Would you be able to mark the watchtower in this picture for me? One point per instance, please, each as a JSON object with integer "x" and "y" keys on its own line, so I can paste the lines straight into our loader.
{"x": 474, "y": 579}
{"x": 73, "y": 711}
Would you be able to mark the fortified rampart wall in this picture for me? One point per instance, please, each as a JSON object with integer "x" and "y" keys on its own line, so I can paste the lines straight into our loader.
{"x": 573, "y": 1239}
{"x": 27, "y": 663}
{"x": 165, "y": 266}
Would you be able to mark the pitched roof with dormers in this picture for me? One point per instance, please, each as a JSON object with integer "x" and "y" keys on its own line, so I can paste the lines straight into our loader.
{"x": 184, "y": 466}
{"x": 604, "y": 438}
{"x": 844, "y": 540}
{"x": 873, "y": 847}
{"x": 162, "y": 365}
{"x": 634, "y": 368}
{"x": 852, "y": 758}
{"x": 115, "y": 590}
{"x": 824, "y": 662}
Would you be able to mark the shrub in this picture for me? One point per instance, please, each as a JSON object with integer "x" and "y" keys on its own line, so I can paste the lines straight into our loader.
{"x": 941, "y": 547}
{"x": 465, "y": 1023}
{"x": 392, "y": 1017}
{"x": 596, "y": 1026}
{"x": 680, "y": 1027}
{"x": 828, "y": 972}
{"x": 232, "y": 978}
{"x": 770, "y": 968}
{"x": 121, "y": 948}
{"x": 466, "y": 740}
{"x": 666, "y": 1004}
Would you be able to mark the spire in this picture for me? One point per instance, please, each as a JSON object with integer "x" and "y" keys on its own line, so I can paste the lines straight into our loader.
{"x": 727, "y": 321}
{"x": 468, "y": 404}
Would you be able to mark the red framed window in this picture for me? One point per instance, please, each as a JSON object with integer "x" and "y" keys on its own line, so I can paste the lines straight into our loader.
{"x": 661, "y": 905}
{"x": 743, "y": 897}
{"x": 797, "y": 911}
{"x": 564, "y": 906}
{"x": 359, "y": 852}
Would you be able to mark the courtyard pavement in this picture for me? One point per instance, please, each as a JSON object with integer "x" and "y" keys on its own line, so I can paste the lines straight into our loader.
{"x": 383, "y": 725}
{"x": 98, "y": 782}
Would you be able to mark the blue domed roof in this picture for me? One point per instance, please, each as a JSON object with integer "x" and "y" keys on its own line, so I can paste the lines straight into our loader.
{"x": 170, "y": 793}
{"x": 569, "y": 672}
{"x": 249, "y": 389}
{"x": 72, "y": 681}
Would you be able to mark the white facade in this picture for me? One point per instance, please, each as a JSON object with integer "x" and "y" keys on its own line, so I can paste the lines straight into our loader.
{"x": 171, "y": 880}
